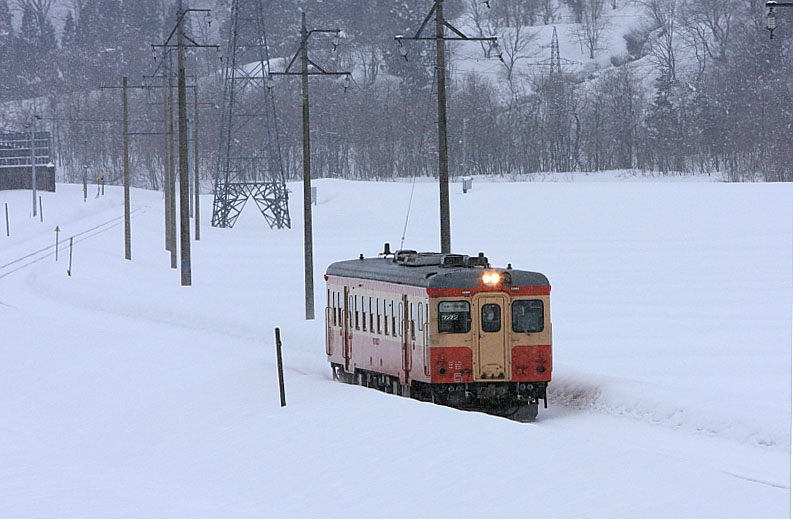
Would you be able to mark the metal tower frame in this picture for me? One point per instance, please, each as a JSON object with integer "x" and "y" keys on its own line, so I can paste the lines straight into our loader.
{"x": 556, "y": 62}
{"x": 249, "y": 163}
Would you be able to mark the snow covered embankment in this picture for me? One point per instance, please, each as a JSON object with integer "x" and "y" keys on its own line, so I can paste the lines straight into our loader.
{"x": 668, "y": 406}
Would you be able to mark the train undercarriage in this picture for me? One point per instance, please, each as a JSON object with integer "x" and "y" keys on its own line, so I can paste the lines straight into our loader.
{"x": 515, "y": 400}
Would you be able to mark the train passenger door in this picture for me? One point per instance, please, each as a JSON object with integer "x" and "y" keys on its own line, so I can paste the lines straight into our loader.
{"x": 347, "y": 332}
{"x": 490, "y": 349}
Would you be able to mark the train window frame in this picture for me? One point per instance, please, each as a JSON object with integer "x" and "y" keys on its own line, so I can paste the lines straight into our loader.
{"x": 412, "y": 322}
{"x": 489, "y": 323}
{"x": 393, "y": 321}
{"x": 379, "y": 324}
{"x": 441, "y": 320}
{"x": 421, "y": 316}
{"x": 401, "y": 319}
{"x": 371, "y": 318}
{"x": 385, "y": 317}
{"x": 357, "y": 316}
{"x": 542, "y": 315}
{"x": 335, "y": 316}
{"x": 349, "y": 312}
{"x": 363, "y": 313}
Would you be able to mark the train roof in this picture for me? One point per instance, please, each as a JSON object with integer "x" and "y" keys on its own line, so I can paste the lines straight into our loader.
{"x": 430, "y": 270}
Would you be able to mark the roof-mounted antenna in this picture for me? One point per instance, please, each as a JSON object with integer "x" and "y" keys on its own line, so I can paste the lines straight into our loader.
{"x": 386, "y": 250}
{"x": 407, "y": 216}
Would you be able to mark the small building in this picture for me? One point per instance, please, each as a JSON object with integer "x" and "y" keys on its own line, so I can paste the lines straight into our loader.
{"x": 15, "y": 161}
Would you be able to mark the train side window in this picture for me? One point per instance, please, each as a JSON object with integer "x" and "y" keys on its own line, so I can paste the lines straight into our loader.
{"x": 421, "y": 316}
{"x": 349, "y": 312}
{"x": 454, "y": 317}
{"x": 401, "y": 319}
{"x": 385, "y": 317}
{"x": 371, "y": 317}
{"x": 379, "y": 316}
{"x": 335, "y": 320}
{"x": 412, "y": 323}
{"x": 393, "y": 321}
{"x": 528, "y": 316}
{"x": 357, "y": 316}
{"x": 363, "y": 313}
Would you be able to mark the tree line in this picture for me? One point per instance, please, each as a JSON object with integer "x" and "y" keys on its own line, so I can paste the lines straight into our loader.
{"x": 701, "y": 88}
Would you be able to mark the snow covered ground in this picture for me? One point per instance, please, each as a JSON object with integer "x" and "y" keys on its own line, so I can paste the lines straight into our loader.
{"x": 126, "y": 395}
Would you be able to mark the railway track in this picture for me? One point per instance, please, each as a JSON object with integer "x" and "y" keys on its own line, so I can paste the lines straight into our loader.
{"x": 39, "y": 255}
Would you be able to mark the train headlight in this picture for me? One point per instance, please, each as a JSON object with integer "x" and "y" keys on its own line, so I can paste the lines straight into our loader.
{"x": 491, "y": 278}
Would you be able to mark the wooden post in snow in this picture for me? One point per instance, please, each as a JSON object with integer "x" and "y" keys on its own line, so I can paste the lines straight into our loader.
{"x": 71, "y": 244}
{"x": 280, "y": 366}
{"x": 57, "y": 231}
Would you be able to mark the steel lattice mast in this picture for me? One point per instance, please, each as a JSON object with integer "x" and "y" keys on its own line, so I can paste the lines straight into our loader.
{"x": 249, "y": 159}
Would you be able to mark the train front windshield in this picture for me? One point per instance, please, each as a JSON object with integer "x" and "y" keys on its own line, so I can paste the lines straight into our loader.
{"x": 454, "y": 317}
{"x": 527, "y": 316}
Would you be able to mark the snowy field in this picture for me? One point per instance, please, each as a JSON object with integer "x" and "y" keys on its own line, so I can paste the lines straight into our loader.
{"x": 126, "y": 395}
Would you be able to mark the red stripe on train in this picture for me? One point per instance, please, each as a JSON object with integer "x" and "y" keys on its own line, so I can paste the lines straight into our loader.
{"x": 515, "y": 291}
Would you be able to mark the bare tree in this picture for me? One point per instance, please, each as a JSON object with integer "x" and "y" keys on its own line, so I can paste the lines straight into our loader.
{"x": 592, "y": 25}
{"x": 663, "y": 15}
{"x": 708, "y": 27}
{"x": 548, "y": 9}
{"x": 39, "y": 8}
{"x": 77, "y": 7}
{"x": 515, "y": 44}
{"x": 479, "y": 15}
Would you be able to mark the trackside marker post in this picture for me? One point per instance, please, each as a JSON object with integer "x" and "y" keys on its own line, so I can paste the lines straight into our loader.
{"x": 57, "y": 230}
{"x": 41, "y": 211}
{"x": 8, "y": 228}
{"x": 280, "y": 366}
{"x": 71, "y": 243}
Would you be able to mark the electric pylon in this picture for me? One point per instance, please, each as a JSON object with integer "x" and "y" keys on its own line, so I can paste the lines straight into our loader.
{"x": 556, "y": 62}
{"x": 249, "y": 159}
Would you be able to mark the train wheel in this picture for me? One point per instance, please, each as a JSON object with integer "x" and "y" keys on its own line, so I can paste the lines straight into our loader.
{"x": 526, "y": 413}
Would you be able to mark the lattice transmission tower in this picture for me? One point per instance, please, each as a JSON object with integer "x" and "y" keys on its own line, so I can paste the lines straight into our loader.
{"x": 556, "y": 62}
{"x": 249, "y": 159}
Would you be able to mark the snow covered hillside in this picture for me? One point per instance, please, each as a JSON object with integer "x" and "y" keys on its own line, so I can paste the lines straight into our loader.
{"x": 126, "y": 395}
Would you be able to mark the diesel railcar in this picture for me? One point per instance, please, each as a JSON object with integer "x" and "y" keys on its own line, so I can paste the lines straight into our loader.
{"x": 446, "y": 328}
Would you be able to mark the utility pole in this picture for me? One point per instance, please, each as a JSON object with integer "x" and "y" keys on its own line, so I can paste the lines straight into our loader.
{"x": 465, "y": 150}
{"x": 196, "y": 184}
{"x": 308, "y": 246}
{"x": 126, "y": 134}
{"x": 308, "y": 240}
{"x": 184, "y": 173}
{"x": 33, "y": 160}
{"x": 443, "y": 146}
{"x": 184, "y": 178}
{"x": 85, "y": 170}
{"x": 125, "y": 116}
{"x": 166, "y": 161}
{"x": 171, "y": 169}
{"x": 440, "y": 74}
